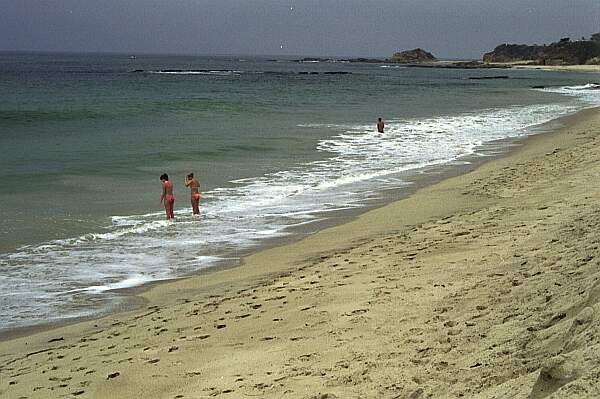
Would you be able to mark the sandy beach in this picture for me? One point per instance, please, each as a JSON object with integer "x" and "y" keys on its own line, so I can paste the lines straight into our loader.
{"x": 561, "y": 68}
{"x": 485, "y": 285}
{"x": 528, "y": 65}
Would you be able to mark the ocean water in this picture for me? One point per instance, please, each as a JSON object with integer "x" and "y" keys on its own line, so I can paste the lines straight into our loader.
{"x": 275, "y": 143}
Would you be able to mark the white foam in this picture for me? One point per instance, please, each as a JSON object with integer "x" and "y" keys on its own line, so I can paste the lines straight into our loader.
{"x": 133, "y": 281}
{"x": 212, "y": 73}
{"x": 588, "y": 93}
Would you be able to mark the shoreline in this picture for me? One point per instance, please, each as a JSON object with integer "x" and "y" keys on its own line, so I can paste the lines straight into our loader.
{"x": 562, "y": 68}
{"x": 132, "y": 299}
{"x": 420, "y": 296}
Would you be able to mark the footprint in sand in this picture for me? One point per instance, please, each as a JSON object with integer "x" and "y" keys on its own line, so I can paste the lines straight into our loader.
{"x": 201, "y": 337}
{"x": 113, "y": 375}
{"x": 58, "y": 379}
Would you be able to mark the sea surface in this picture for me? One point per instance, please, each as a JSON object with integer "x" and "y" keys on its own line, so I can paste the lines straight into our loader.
{"x": 275, "y": 143}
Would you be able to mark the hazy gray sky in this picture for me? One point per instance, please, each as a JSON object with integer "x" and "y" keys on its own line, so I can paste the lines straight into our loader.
{"x": 377, "y": 28}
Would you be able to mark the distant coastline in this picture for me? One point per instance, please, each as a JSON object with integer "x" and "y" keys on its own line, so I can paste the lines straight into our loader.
{"x": 460, "y": 64}
{"x": 565, "y": 55}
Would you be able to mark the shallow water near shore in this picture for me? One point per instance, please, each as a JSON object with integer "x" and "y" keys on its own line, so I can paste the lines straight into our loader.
{"x": 276, "y": 144}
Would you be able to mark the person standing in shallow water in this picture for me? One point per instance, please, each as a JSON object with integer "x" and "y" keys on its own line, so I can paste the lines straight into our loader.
{"x": 380, "y": 125}
{"x": 194, "y": 186}
{"x": 167, "y": 197}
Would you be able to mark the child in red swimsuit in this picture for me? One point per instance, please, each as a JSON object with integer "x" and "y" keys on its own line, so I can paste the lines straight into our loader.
{"x": 167, "y": 195}
{"x": 194, "y": 186}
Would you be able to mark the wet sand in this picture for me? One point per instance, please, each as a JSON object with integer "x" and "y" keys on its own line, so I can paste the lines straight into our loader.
{"x": 483, "y": 285}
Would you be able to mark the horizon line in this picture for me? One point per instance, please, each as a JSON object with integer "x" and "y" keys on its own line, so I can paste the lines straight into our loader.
{"x": 146, "y": 54}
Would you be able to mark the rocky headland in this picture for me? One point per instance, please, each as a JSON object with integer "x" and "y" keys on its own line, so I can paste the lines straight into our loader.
{"x": 563, "y": 52}
{"x": 417, "y": 55}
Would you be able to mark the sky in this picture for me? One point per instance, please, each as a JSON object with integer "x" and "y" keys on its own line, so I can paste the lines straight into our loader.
{"x": 343, "y": 28}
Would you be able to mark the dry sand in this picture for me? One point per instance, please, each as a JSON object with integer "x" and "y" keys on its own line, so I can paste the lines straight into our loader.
{"x": 557, "y": 68}
{"x": 485, "y": 285}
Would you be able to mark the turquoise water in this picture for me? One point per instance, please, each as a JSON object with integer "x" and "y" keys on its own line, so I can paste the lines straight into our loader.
{"x": 274, "y": 143}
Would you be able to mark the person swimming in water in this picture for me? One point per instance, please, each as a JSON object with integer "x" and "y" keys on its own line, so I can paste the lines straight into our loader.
{"x": 167, "y": 195}
{"x": 194, "y": 186}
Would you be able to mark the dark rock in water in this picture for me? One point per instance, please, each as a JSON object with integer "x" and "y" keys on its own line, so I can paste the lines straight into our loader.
{"x": 313, "y": 59}
{"x": 367, "y": 60}
{"x": 412, "y": 56}
{"x": 487, "y": 77}
{"x": 538, "y": 87}
{"x": 563, "y": 52}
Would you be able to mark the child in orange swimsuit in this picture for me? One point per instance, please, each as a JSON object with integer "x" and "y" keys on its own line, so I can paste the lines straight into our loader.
{"x": 167, "y": 196}
{"x": 194, "y": 186}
